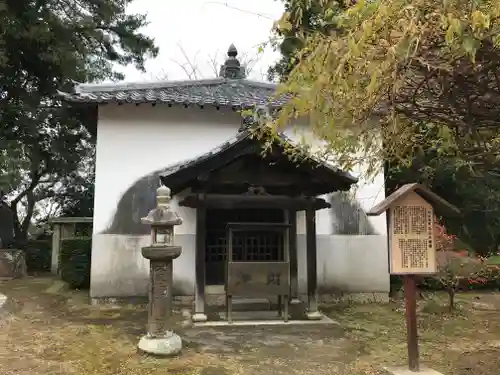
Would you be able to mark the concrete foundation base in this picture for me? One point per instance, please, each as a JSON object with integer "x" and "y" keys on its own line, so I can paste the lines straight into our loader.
{"x": 405, "y": 371}
{"x": 169, "y": 345}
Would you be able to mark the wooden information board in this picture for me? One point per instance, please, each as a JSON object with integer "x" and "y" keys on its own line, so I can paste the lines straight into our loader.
{"x": 412, "y": 249}
{"x": 411, "y": 231}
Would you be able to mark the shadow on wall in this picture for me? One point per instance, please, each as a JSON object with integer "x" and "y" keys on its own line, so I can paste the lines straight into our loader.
{"x": 137, "y": 201}
{"x": 348, "y": 216}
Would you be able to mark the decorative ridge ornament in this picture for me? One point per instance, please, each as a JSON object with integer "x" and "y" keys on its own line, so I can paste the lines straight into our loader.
{"x": 232, "y": 68}
{"x": 256, "y": 191}
{"x": 232, "y": 51}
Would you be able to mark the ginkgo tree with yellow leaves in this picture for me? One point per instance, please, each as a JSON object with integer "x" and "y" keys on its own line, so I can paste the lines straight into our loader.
{"x": 391, "y": 72}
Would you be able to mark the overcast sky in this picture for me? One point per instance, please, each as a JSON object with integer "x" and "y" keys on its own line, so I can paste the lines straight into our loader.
{"x": 204, "y": 29}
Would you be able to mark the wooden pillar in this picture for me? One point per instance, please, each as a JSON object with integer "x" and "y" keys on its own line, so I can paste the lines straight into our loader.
{"x": 294, "y": 268}
{"x": 199, "y": 302}
{"x": 312, "y": 273}
{"x": 56, "y": 249}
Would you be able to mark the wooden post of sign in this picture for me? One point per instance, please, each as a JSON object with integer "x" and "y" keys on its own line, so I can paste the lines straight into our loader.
{"x": 412, "y": 250}
{"x": 410, "y": 295}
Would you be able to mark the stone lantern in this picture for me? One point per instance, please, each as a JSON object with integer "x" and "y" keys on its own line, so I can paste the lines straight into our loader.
{"x": 160, "y": 339}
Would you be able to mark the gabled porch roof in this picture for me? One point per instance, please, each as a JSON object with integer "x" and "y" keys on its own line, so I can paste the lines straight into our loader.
{"x": 179, "y": 176}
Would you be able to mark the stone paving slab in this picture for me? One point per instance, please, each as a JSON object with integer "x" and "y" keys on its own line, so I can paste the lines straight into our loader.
{"x": 406, "y": 371}
{"x": 3, "y": 305}
{"x": 295, "y": 349}
{"x": 3, "y": 300}
{"x": 260, "y": 318}
{"x": 241, "y": 338}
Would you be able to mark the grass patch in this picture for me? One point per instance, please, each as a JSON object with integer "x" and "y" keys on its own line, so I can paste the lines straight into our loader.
{"x": 462, "y": 342}
{"x": 494, "y": 260}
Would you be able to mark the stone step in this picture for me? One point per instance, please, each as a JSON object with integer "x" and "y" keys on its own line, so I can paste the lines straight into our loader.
{"x": 251, "y": 304}
{"x": 252, "y": 315}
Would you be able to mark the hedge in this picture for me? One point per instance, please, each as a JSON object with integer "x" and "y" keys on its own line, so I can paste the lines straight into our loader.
{"x": 431, "y": 284}
{"x": 38, "y": 255}
{"x": 75, "y": 261}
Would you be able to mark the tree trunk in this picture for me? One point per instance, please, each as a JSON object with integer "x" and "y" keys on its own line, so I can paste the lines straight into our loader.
{"x": 30, "y": 209}
{"x": 17, "y": 224}
{"x": 21, "y": 228}
{"x": 451, "y": 296}
{"x": 420, "y": 295}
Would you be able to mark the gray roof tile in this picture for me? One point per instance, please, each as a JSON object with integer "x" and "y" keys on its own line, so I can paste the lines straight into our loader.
{"x": 240, "y": 93}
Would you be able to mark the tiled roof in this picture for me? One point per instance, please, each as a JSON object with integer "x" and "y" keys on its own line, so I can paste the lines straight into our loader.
{"x": 239, "y": 93}
{"x": 346, "y": 177}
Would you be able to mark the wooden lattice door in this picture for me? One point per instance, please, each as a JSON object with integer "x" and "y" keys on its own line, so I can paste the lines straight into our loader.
{"x": 251, "y": 246}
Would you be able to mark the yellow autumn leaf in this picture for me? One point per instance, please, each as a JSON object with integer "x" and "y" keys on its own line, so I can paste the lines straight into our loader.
{"x": 480, "y": 20}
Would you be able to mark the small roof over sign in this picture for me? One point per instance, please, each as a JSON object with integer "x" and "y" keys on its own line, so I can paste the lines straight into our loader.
{"x": 440, "y": 205}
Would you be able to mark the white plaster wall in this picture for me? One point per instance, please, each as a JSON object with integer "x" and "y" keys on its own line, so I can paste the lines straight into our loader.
{"x": 367, "y": 192}
{"x": 120, "y": 270}
{"x": 355, "y": 264}
{"x": 133, "y": 141}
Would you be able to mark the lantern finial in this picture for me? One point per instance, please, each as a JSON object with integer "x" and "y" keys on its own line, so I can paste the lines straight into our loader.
{"x": 162, "y": 215}
{"x": 163, "y": 197}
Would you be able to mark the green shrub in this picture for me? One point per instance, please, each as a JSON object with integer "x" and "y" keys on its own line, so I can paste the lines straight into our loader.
{"x": 75, "y": 261}
{"x": 396, "y": 283}
{"x": 430, "y": 283}
{"x": 490, "y": 281}
{"x": 38, "y": 255}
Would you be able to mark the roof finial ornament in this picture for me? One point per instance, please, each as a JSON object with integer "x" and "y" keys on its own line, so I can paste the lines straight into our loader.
{"x": 232, "y": 68}
{"x": 232, "y": 51}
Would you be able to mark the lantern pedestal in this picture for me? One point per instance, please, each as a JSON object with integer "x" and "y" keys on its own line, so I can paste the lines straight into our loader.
{"x": 168, "y": 345}
{"x": 199, "y": 318}
{"x": 160, "y": 340}
{"x": 314, "y": 315}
